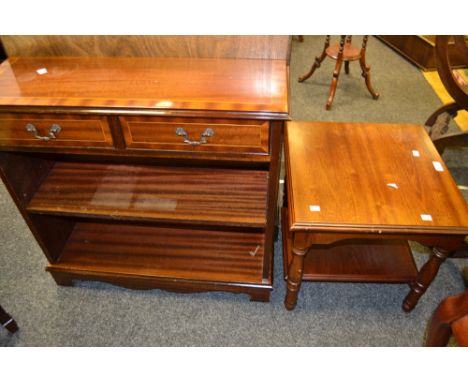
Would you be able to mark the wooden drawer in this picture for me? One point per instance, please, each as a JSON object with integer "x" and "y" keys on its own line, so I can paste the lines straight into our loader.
{"x": 197, "y": 135}
{"x": 54, "y": 130}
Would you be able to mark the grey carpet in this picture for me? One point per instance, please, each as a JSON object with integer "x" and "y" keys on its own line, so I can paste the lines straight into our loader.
{"x": 328, "y": 314}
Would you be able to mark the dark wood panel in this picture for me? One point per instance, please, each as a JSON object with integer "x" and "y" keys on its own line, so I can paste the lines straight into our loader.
{"x": 353, "y": 260}
{"x": 420, "y": 50}
{"x": 3, "y": 55}
{"x": 268, "y": 47}
{"x": 271, "y": 232}
{"x": 52, "y": 231}
{"x": 190, "y": 195}
{"x": 235, "y": 136}
{"x": 145, "y": 82}
{"x": 134, "y": 250}
{"x": 22, "y": 175}
{"x": 75, "y": 130}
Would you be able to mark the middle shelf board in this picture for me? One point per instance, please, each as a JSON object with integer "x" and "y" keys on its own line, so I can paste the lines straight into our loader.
{"x": 172, "y": 194}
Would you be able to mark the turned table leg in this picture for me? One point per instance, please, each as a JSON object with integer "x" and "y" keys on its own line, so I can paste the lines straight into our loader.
{"x": 295, "y": 272}
{"x": 336, "y": 74}
{"x": 425, "y": 276}
{"x": 318, "y": 61}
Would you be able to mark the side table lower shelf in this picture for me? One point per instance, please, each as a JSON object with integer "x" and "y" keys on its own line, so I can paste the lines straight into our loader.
{"x": 178, "y": 259}
{"x": 373, "y": 261}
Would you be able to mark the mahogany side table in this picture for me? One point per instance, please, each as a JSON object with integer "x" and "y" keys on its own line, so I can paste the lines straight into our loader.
{"x": 356, "y": 193}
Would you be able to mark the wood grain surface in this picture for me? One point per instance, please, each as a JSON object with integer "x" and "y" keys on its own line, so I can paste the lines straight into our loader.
{"x": 145, "y": 82}
{"x": 76, "y": 130}
{"x": 138, "y": 212}
{"x": 176, "y": 194}
{"x": 349, "y": 170}
{"x": 163, "y": 252}
{"x": 231, "y": 136}
{"x": 268, "y": 47}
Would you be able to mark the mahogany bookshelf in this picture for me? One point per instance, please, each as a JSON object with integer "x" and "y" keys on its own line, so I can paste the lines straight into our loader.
{"x": 147, "y": 172}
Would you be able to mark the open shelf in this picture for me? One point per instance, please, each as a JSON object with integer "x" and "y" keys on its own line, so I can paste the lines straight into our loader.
{"x": 171, "y": 194}
{"x": 125, "y": 250}
{"x": 371, "y": 261}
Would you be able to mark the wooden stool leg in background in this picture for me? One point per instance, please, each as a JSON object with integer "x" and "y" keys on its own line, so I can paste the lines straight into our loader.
{"x": 346, "y": 67}
{"x": 366, "y": 69}
{"x": 7, "y": 321}
{"x": 450, "y": 315}
{"x": 425, "y": 276}
{"x": 336, "y": 73}
{"x": 349, "y": 40}
{"x": 318, "y": 61}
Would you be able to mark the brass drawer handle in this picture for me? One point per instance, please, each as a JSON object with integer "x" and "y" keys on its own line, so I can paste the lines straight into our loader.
{"x": 53, "y": 131}
{"x": 206, "y": 134}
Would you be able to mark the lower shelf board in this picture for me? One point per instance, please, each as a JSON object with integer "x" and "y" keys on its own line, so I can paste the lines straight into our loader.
{"x": 120, "y": 253}
{"x": 373, "y": 261}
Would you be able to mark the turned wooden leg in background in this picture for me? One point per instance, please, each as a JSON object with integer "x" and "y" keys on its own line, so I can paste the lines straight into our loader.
{"x": 366, "y": 69}
{"x": 336, "y": 73}
{"x": 7, "y": 321}
{"x": 349, "y": 40}
{"x": 318, "y": 61}
{"x": 295, "y": 272}
{"x": 425, "y": 276}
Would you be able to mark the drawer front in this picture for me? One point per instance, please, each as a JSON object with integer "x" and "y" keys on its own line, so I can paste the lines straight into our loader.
{"x": 53, "y": 130}
{"x": 197, "y": 135}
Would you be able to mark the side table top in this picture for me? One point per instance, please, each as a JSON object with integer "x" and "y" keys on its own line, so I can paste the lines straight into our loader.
{"x": 369, "y": 178}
